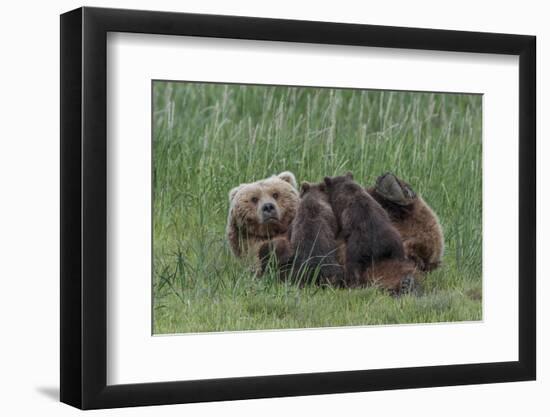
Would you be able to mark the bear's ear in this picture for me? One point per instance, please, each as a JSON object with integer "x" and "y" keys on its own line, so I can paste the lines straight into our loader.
{"x": 349, "y": 175}
{"x": 328, "y": 181}
{"x": 288, "y": 177}
{"x": 305, "y": 187}
{"x": 233, "y": 193}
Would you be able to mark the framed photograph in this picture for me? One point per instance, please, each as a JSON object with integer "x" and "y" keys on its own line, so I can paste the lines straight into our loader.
{"x": 257, "y": 208}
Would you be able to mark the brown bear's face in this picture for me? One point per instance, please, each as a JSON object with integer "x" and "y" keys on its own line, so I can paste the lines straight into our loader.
{"x": 266, "y": 207}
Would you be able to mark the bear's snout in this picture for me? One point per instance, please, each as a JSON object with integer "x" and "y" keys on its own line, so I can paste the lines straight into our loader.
{"x": 269, "y": 212}
{"x": 268, "y": 208}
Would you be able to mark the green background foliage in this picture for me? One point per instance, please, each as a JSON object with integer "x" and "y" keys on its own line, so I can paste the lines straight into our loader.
{"x": 208, "y": 138}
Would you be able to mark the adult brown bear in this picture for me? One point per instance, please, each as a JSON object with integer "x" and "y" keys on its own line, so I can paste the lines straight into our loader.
{"x": 259, "y": 212}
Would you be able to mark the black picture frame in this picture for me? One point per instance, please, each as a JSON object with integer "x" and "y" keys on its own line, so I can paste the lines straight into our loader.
{"x": 84, "y": 207}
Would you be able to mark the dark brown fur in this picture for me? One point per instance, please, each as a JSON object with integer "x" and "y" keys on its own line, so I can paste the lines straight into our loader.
{"x": 398, "y": 276}
{"x": 415, "y": 221}
{"x": 278, "y": 250}
{"x": 364, "y": 225}
{"x": 313, "y": 236}
{"x": 308, "y": 254}
{"x": 395, "y": 275}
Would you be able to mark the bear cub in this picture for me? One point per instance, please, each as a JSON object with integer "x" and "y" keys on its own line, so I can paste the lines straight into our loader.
{"x": 364, "y": 225}
{"x": 313, "y": 236}
{"x": 308, "y": 253}
{"x": 416, "y": 222}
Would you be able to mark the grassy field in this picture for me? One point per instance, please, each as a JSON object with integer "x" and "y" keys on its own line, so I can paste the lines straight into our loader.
{"x": 208, "y": 138}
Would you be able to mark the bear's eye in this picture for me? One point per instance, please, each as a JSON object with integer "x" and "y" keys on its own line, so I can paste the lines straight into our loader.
{"x": 275, "y": 196}
{"x": 254, "y": 199}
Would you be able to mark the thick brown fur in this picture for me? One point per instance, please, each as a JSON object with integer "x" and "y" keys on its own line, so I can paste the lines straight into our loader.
{"x": 278, "y": 251}
{"x": 260, "y": 211}
{"x": 364, "y": 226}
{"x": 308, "y": 253}
{"x": 395, "y": 275}
{"x": 313, "y": 237}
{"x": 398, "y": 276}
{"x": 416, "y": 222}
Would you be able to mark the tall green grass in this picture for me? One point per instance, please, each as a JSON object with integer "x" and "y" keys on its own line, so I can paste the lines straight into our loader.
{"x": 208, "y": 138}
